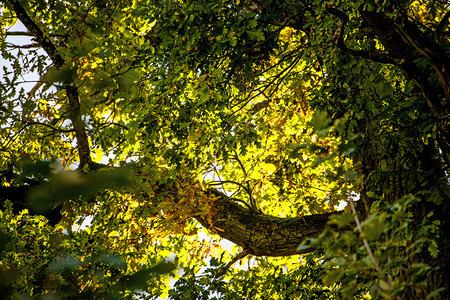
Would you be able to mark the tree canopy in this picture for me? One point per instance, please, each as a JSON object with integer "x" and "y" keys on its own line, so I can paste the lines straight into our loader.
{"x": 137, "y": 135}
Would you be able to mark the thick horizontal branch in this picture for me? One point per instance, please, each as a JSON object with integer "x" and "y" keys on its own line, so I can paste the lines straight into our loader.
{"x": 258, "y": 233}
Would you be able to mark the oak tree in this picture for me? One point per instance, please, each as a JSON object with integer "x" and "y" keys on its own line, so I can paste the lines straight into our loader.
{"x": 137, "y": 134}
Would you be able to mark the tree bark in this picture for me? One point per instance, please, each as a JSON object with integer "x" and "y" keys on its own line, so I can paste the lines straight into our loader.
{"x": 258, "y": 233}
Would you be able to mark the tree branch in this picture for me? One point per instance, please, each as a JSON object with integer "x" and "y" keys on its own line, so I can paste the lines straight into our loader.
{"x": 84, "y": 151}
{"x": 405, "y": 43}
{"x": 23, "y": 33}
{"x": 28, "y": 46}
{"x": 72, "y": 93}
{"x": 442, "y": 25}
{"x": 258, "y": 234}
{"x": 338, "y": 39}
{"x": 435, "y": 55}
{"x": 225, "y": 268}
{"x": 366, "y": 243}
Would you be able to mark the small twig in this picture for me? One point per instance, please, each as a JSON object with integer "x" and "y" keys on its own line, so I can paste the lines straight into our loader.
{"x": 104, "y": 125}
{"x": 241, "y": 201}
{"x": 240, "y": 163}
{"x": 366, "y": 243}
{"x": 216, "y": 173}
{"x": 231, "y": 197}
{"x": 50, "y": 126}
{"x": 35, "y": 45}
{"x": 306, "y": 293}
{"x": 247, "y": 189}
{"x": 221, "y": 182}
{"x": 24, "y": 33}
{"x": 239, "y": 256}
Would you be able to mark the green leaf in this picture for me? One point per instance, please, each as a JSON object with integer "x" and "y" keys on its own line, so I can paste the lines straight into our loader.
{"x": 349, "y": 289}
{"x": 385, "y": 286}
{"x": 374, "y": 227}
{"x": 139, "y": 279}
{"x": 436, "y": 293}
{"x": 342, "y": 219}
{"x": 419, "y": 272}
{"x": 303, "y": 247}
{"x": 320, "y": 121}
{"x": 332, "y": 277}
{"x": 65, "y": 263}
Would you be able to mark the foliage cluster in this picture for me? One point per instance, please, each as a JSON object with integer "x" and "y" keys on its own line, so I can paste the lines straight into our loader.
{"x": 135, "y": 134}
